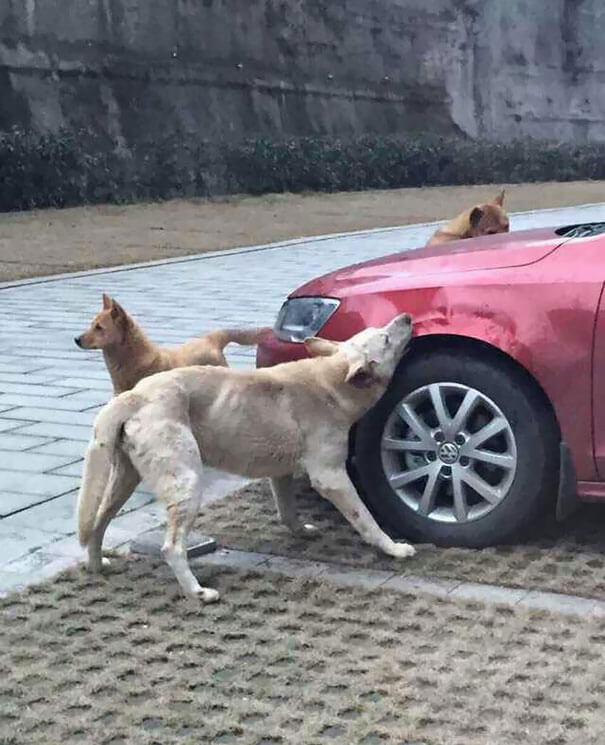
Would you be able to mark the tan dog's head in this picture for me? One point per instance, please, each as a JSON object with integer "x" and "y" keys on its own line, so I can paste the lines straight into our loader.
{"x": 108, "y": 327}
{"x": 372, "y": 354}
{"x": 489, "y": 218}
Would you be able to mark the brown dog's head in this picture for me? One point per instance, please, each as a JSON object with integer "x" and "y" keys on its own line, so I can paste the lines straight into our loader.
{"x": 489, "y": 218}
{"x": 108, "y": 327}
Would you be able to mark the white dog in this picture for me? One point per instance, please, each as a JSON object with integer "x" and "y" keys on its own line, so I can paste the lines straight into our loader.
{"x": 277, "y": 422}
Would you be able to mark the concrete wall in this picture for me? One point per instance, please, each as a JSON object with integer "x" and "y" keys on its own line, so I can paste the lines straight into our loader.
{"x": 137, "y": 69}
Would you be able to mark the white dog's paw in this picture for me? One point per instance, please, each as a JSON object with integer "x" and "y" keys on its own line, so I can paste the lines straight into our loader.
{"x": 96, "y": 564}
{"x": 401, "y": 550}
{"x": 308, "y": 531}
{"x": 207, "y": 595}
{"x": 303, "y": 531}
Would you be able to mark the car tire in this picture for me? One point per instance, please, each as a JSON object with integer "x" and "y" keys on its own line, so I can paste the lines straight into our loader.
{"x": 519, "y": 493}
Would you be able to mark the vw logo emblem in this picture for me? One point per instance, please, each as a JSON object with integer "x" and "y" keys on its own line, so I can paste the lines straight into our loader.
{"x": 448, "y": 453}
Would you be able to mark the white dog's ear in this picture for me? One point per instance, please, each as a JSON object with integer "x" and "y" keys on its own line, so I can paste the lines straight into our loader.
{"x": 107, "y": 301}
{"x": 361, "y": 374}
{"x": 499, "y": 198}
{"x": 317, "y": 347}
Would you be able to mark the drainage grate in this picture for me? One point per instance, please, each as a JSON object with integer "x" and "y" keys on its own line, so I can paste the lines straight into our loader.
{"x": 586, "y": 230}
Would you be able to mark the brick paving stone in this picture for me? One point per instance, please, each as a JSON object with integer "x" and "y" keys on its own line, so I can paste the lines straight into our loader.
{"x": 18, "y": 540}
{"x": 58, "y": 430}
{"x": 96, "y": 384}
{"x": 13, "y": 366}
{"x": 57, "y": 516}
{"x": 35, "y": 378}
{"x": 87, "y": 398}
{"x": 42, "y": 484}
{"x": 75, "y": 448}
{"x": 60, "y": 416}
{"x": 8, "y": 425}
{"x": 37, "y": 565}
{"x": 11, "y": 502}
{"x": 75, "y": 467}
{"x": 39, "y": 390}
{"x": 33, "y": 462}
{"x": 64, "y": 403}
{"x": 15, "y": 441}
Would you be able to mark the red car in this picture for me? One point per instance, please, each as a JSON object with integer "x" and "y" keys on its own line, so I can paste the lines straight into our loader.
{"x": 497, "y": 412}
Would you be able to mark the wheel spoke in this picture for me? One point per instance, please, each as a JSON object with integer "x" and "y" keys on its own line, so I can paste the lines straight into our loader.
{"x": 460, "y": 505}
{"x": 431, "y": 488}
{"x": 503, "y": 460}
{"x": 497, "y": 425}
{"x": 464, "y": 410}
{"x": 393, "y": 443}
{"x": 415, "y": 423}
{"x": 443, "y": 417}
{"x": 490, "y": 493}
{"x": 398, "y": 480}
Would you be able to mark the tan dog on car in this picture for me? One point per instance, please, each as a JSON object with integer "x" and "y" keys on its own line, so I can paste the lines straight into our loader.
{"x": 130, "y": 355}
{"x": 483, "y": 219}
{"x": 279, "y": 422}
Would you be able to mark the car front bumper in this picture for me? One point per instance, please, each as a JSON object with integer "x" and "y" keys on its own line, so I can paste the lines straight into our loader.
{"x": 272, "y": 351}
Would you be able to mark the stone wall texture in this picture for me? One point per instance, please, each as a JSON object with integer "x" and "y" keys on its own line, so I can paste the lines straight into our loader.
{"x": 139, "y": 69}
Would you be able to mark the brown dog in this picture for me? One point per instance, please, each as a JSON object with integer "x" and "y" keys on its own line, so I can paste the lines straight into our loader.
{"x": 483, "y": 219}
{"x": 130, "y": 355}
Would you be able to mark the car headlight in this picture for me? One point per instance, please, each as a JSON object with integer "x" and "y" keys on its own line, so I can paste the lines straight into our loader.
{"x": 303, "y": 316}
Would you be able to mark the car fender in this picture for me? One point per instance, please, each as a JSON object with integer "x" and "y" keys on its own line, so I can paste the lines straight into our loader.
{"x": 549, "y": 336}
{"x": 495, "y": 328}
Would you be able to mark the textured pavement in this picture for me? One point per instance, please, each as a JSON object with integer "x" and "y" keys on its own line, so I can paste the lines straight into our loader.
{"x": 289, "y": 659}
{"x": 50, "y": 390}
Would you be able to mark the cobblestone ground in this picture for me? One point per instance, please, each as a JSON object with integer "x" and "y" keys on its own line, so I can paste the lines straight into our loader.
{"x": 122, "y": 659}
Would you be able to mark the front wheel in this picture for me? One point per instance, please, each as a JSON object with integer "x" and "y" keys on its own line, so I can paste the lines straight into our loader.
{"x": 460, "y": 451}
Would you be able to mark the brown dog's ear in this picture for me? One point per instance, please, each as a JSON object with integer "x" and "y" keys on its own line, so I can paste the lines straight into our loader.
{"x": 361, "y": 374}
{"x": 499, "y": 199}
{"x": 317, "y": 347}
{"x": 107, "y": 301}
{"x": 117, "y": 312}
{"x": 475, "y": 216}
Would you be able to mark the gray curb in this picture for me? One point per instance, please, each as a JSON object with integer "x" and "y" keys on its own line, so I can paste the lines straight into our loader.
{"x": 373, "y": 579}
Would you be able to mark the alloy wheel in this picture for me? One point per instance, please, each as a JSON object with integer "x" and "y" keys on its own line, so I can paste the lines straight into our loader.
{"x": 449, "y": 453}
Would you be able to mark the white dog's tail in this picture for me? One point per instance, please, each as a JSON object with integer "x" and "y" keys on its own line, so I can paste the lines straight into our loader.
{"x": 100, "y": 457}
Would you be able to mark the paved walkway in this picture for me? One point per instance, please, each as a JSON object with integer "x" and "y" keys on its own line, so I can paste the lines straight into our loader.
{"x": 50, "y": 391}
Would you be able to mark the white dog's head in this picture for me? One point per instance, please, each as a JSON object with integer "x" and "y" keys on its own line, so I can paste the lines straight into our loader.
{"x": 373, "y": 354}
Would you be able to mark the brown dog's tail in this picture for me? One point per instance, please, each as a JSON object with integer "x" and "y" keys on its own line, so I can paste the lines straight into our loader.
{"x": 100, "y": 459}
{"x": 245, "y": 337}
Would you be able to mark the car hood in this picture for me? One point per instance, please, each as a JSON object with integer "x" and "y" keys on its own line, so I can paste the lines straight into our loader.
{"x": 501, "y": 251}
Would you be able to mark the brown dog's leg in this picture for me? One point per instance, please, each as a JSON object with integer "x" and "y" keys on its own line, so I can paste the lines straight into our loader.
{"x": 122, "y": 482}
{"x": 334, "y": 485}
{"x": 284, "y": 494}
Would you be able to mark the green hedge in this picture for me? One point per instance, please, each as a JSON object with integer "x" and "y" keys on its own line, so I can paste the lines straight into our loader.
{"x": 71, "y": 168}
